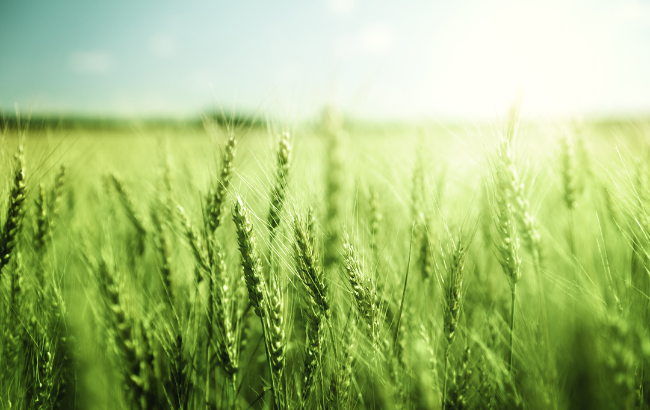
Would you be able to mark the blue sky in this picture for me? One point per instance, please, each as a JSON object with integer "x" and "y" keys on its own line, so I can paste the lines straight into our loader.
{"x": 374, "y": 59}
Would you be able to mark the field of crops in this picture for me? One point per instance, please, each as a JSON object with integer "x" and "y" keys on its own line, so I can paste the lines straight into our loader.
{"x": 326, "y": 265}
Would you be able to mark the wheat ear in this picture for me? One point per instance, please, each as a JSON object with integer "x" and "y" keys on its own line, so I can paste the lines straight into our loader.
{"x": 308, "y": 266}
{"x": 363, "y": 289}
{"x": 162, "y": 243}
{"x": 317, "y": 301}
{"x": 258, "y": 293}
{"x": 217, "y": 194}
{"x": 122, "y": 326}
{"x": 527, "y": 225}
{"x": 15, "y": 212}
{"x": 42, "y": 220}
{"x": 250, "y": 258}
{"x": 333, "y": 187}
{"x": 278, "y": 193}
{"x": 453, "y": 301}
{"x": 570, "y": 183}
{"x": 508, "y": 241}
{"x": 56, "y": 193}
{"x": 131, "y": 212}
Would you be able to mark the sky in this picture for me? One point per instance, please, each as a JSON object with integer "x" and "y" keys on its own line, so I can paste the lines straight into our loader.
{"x": 376, "y": 59}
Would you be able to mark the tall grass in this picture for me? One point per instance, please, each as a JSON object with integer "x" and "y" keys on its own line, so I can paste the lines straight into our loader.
{"x": 332, "y": 271}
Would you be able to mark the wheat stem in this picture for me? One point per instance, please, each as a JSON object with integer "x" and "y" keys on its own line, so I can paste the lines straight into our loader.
{"x": 542, "y": 303}
{"x": 444, "y": 384}
{"x": 512, "y": 326}
{"x": 401, "y": 305}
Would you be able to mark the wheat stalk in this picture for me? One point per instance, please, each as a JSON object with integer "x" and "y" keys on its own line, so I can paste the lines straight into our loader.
{"x": 129, "y": 206}
{"x": 317, "y": 301}
{"x": 42, "y": 220}
{"x": 278, "y": 192}
{"x": 333, "y": 187}
{"x": 458, "y": 397}
{"x": 342, "y": 378}
{"x": 123, "y": 335}
{"x": 453, "y": 300}
{"x": 56, "y": 193}
{"x": 276, "y": 339}
{"x": 223, "y": 302}
{"x": 375, "y": 223}
{"x": 180, "y": 380}
{"x": 417, "y": 188}
{"x": 425, "y": 257}
{"x": 264, "y": 304}
{"x": 196, "y": 243}
{"x": 217, "y": 194}
{"x": 162, "y": 243}
{"x": 508, "y": 241}
{"x": 14, "y": 316}
{"x": 570, "y": 183}
{"x": 308, "y": 266}
{"x": 525, "y": 221}
{"x": 15, "y": 212}
{"x": 250, "y": 258}
{"x": 363, "y": 289}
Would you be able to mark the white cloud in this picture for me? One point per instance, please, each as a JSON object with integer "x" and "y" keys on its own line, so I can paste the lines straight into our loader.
{"x": 201, "y": 79}
{"x": 341, "y": 6}
{"x": 376, "y": 39}
{"x": 163, "y": 45}
{"x": 92, "y": 62}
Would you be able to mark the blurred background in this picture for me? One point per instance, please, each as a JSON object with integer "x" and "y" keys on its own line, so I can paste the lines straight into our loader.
{"x": 373, "y": 59}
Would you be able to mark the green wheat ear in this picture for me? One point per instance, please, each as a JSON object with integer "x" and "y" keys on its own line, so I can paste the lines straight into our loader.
{"x": 316, "y": 306}
{"x": 363, "y": 289}
{"x": 250, "y": 260}
{"x": 308, "y": 266}
{"x": 15, "y": 211}
{"x": 129, "y": 205}
{"x": 507, "y": 239}
{"x": 569, "y": 166}
{"x": 122, "y": 328}
{"x": 453, "y": 301}
{"x": 278, "y": 192}
{"x": 217, "y": 194}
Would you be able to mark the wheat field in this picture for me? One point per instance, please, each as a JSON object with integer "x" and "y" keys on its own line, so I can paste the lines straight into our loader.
{"x": 331, "y": 265}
